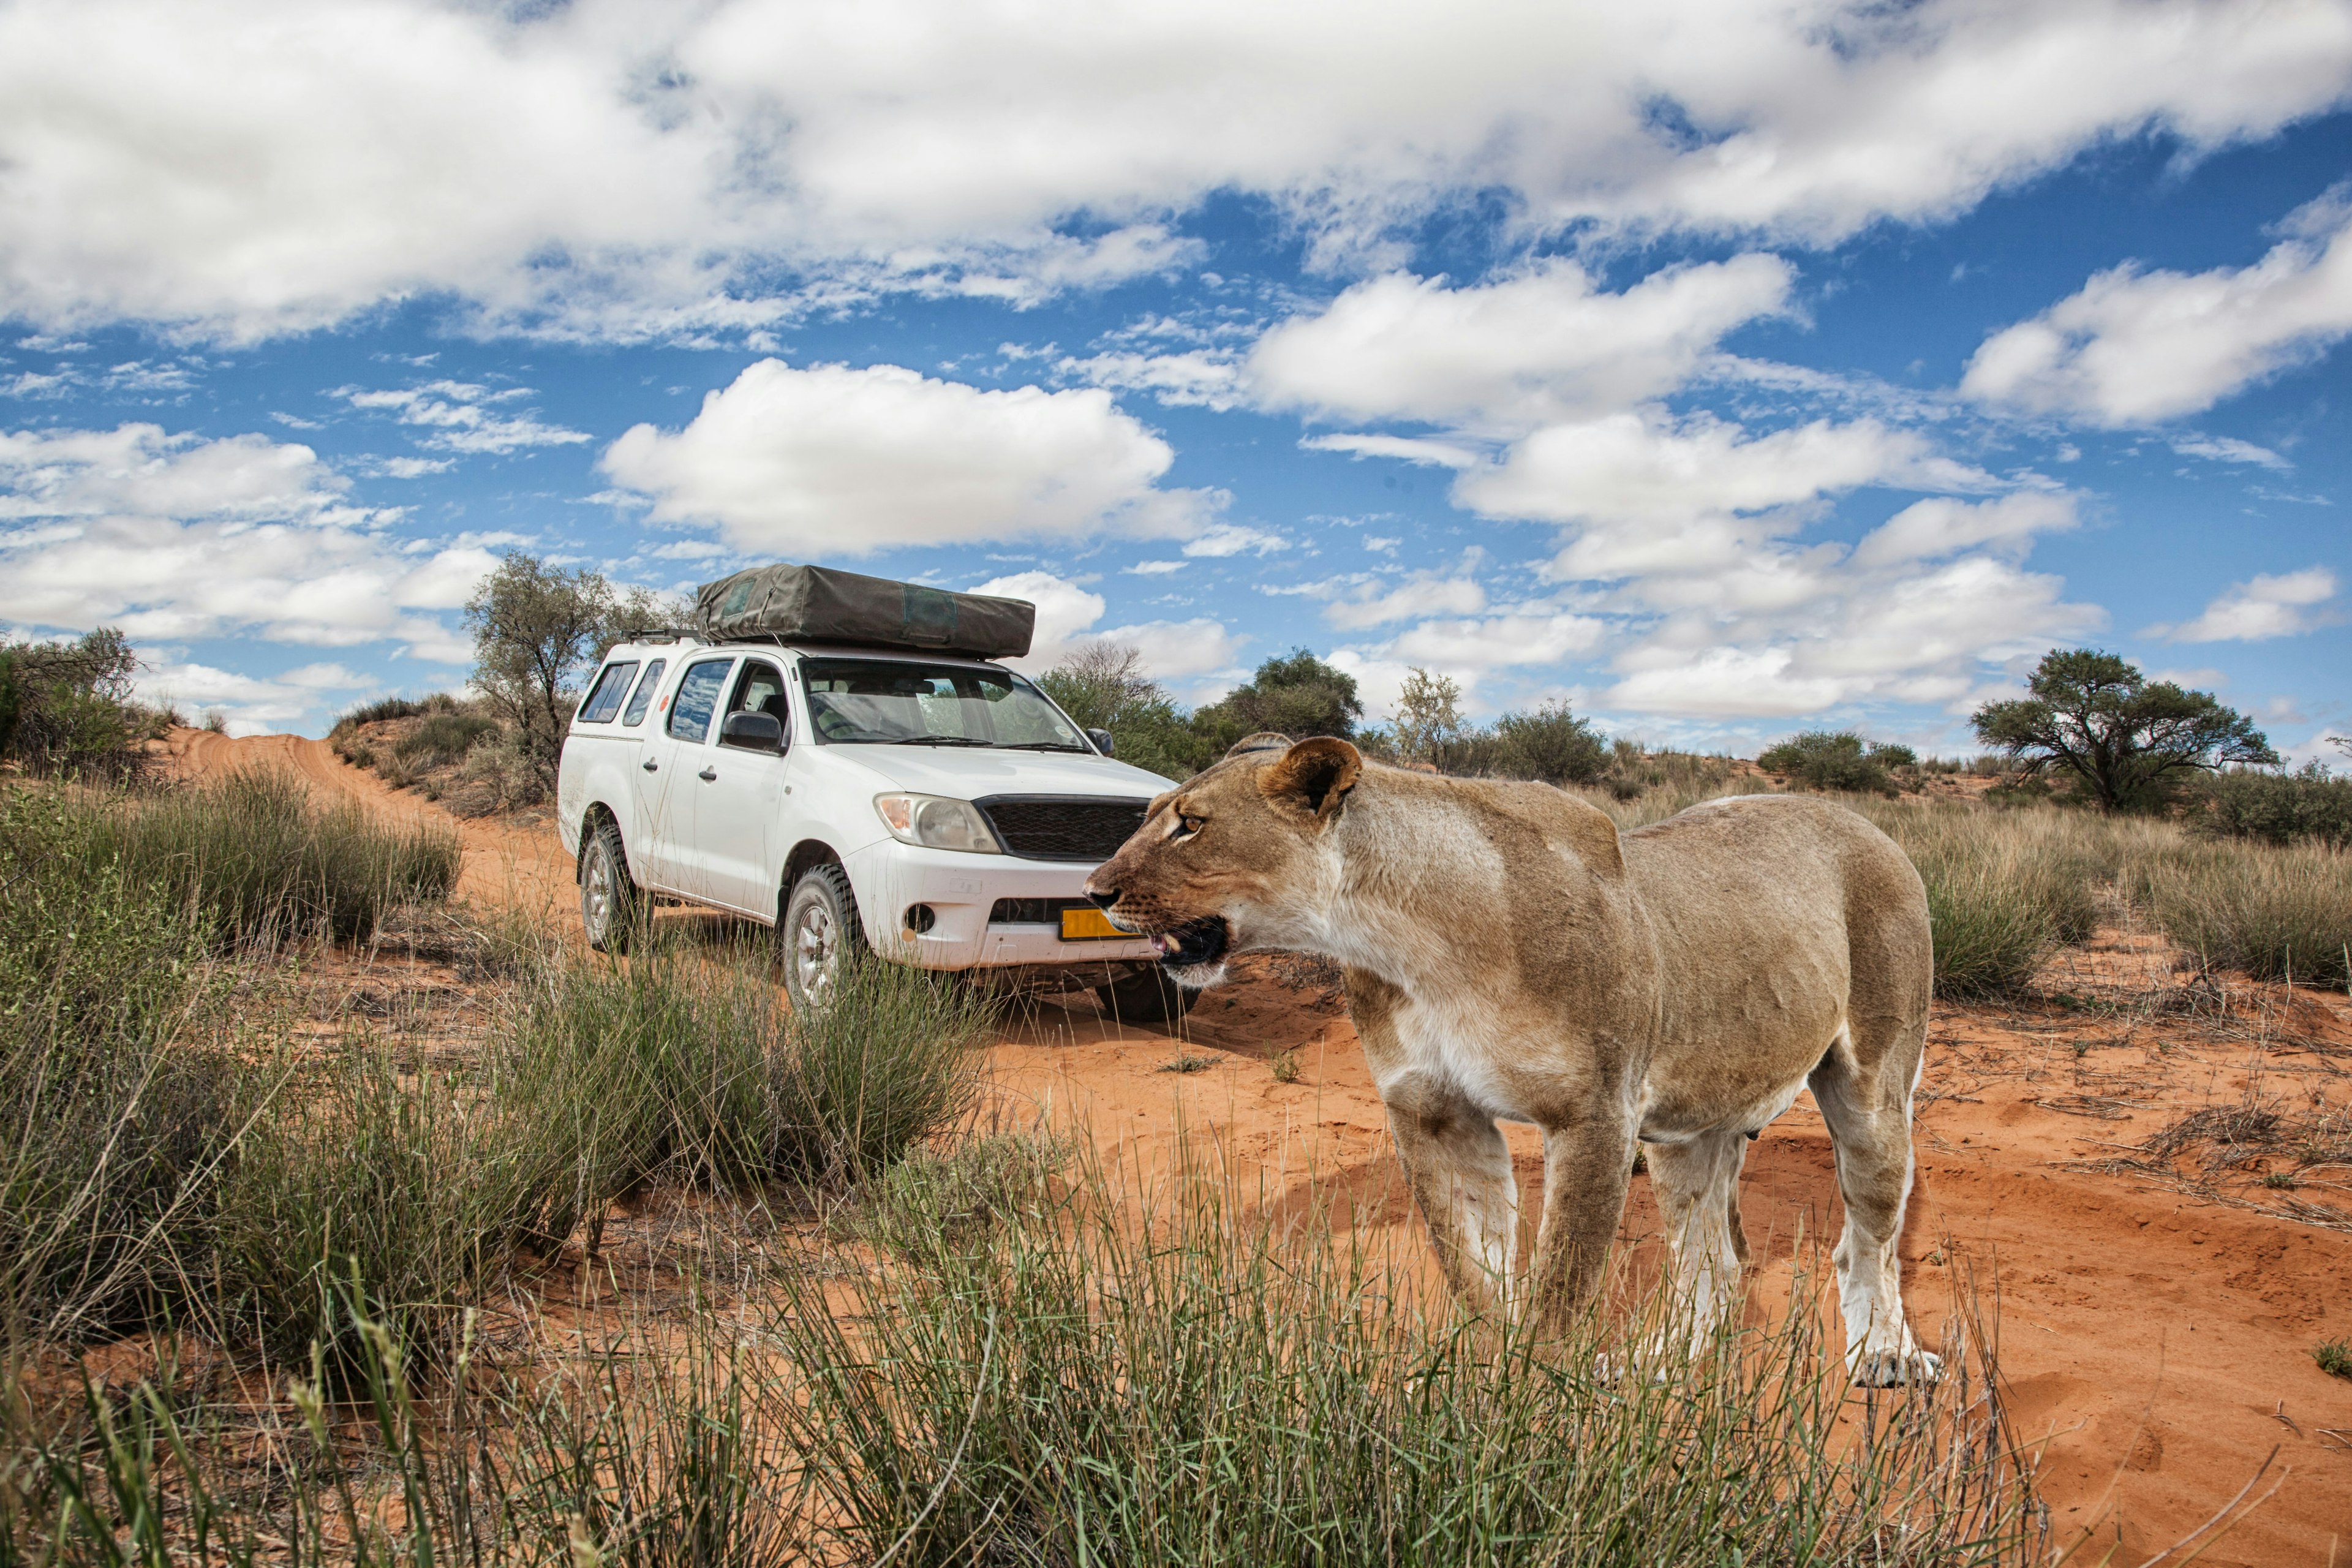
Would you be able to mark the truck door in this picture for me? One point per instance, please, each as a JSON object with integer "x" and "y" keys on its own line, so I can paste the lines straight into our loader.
{"x": 738, "y": 813}
{"x": 667, "y": 785}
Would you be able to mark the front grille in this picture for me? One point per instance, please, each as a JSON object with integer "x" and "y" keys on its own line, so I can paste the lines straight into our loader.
{"x": 1032, "y": 911}
{"x": 1047, "y": 828}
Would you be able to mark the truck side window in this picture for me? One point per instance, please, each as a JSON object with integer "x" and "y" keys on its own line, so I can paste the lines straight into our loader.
{"x": 605, "y": 697}
{"x": 644, "y": 692}
{"x": 760, "y": 689}
{"x": 697, "y": 699}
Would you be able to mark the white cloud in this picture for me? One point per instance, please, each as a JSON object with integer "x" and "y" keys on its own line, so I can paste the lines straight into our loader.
{"x": 1643, "y": 471}
{"x": 1931, "y": 529}
{"x": 2133, "y": 347}
{"x": 1544, "y": 345}
{"x": 1199, "y": 377}
{"x": 620, "y": 166}
{"x": 838, "y": 461}
{"x": 1476, "y": 646}
{"x": 1411, "y": 448}
{"x": 172, "y": 537}
{"x": 1066, "y": 614}
{"x": 1154, "y": 568}
{"x": 1231, "y": 538}
{"x": 1688, "y": 533}
{"x": 462, "y": 418}
{"x": 1063, "y": 609}
{"x": 2264, "y": 606}
{"x": 1421, "y": 594}
{"x": 2228, "y": 449}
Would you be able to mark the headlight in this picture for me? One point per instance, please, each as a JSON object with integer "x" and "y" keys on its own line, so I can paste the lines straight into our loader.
{"x": 936, "y": 822}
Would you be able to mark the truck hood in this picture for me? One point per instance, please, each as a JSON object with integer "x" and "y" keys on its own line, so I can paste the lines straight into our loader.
{"x": 972, "y": 775}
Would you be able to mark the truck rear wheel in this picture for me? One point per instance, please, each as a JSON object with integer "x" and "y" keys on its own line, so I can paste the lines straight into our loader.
{"x": 821, "y": 937}
{"x": 608, "y": 899}
{"x": 1145, "y": 996}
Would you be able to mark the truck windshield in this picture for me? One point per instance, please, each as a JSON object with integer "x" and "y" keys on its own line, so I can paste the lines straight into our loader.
{"x": 906, "y": 702}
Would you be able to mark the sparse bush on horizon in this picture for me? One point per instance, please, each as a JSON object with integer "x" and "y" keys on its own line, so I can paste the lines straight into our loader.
{"x": 1843, "y": 761}
{"x": 2311, "y": 803}
{"x": 67, "y": 708}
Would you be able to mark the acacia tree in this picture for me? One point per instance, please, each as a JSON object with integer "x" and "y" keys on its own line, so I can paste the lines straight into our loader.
{"x": 1428, "y": 716}
{"x": 537, "y": 628}
{"x": 2125, "y": 739}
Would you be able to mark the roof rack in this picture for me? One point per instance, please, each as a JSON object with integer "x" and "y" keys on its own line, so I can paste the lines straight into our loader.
{"x": 660, "y": 634}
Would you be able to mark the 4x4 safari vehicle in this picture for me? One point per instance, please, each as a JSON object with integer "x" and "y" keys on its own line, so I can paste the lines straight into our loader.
{"x": 859, "y": 791}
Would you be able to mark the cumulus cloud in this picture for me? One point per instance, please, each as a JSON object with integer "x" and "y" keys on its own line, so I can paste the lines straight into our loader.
{"x": 1374, "y": 603}
{"x": 1066, "y": 614}
{"x": 2265, "y": 606}
{"x": 462, "y": 417}
{"x": 2134, "y": 347}
{"x": 1688, "y": 535}
{"x": 251, "y": 705}
{"x": 835, "y": 462}
{"x": 623, "y": 167}
{"x": 172, "y": 537}
{"x": 1544, "y": 345}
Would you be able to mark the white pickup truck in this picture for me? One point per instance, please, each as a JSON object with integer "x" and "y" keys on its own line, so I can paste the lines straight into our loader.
{"x": 938, "y": 811}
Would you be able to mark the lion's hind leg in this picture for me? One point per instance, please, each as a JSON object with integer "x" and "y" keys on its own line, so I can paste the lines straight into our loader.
{"x": 1696, "y": 1184}
{"x": 1868, "y": 1109}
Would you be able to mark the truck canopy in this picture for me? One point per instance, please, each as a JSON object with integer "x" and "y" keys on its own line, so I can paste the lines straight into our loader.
{"x": 818, "y": 604}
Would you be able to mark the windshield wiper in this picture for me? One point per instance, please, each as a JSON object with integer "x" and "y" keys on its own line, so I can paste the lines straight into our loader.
{"x": 939, "y": 741}
{"x": 1037, "y": 746}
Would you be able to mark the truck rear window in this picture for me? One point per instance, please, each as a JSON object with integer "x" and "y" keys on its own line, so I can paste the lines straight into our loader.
{"x": 645, "y": 696}
{"x": 605, "y": 697}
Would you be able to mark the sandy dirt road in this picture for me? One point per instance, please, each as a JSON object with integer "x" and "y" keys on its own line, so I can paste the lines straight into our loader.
{"x": 2157, "y": 1344}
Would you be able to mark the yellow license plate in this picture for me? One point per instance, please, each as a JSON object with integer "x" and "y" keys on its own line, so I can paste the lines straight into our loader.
{"x": 1089, "y": 925}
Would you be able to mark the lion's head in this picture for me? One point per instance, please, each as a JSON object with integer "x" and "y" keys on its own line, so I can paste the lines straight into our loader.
{"x": 1220, "y": 862}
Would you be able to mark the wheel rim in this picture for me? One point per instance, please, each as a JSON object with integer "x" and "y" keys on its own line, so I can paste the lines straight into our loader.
{"x": 596, "y": 892}
{"x": 816, "y": 945}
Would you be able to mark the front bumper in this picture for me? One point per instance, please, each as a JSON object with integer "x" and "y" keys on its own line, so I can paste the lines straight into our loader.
{"x": 890, "y": 876}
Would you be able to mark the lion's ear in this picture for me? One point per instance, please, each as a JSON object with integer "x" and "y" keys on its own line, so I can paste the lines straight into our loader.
{"x": 1264, "y": 740}
{"x": 1313, "y": 775}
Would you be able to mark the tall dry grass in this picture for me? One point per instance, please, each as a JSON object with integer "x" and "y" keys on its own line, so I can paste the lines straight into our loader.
{"x": 1092, "y": 1378}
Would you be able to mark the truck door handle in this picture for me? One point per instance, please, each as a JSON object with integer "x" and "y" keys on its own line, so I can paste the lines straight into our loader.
{"x": 650, "y": 766}
{"x": 708, "y": 775}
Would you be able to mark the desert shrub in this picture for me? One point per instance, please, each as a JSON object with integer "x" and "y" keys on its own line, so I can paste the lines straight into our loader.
{"x": 385, "y": 707}
{"x": 1198, "y": 1387}
{"x": 1549, "y": 742}
{"x": 444, "y": 738}
{"x": 2311, "y": 802}
{"x": 67, "y": 707}
{"x": 2270, "y": 911}
{"x": 1820, "y": 759}
{"x": 373, "y": 1189}
{"x": 258, "y": 857}
{"x": 2004, "y": 889}
{"x": 497, "y": 775}
{"x": 955, "y": 1195}
{"x": 892, "y": 1061}
{"x": 119, "y": 1097}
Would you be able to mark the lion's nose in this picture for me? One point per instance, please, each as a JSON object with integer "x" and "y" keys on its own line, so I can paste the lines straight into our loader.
{"x": 1102, "y": 897}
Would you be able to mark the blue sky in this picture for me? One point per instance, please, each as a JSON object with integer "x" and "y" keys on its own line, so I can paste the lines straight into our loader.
{"x": 1724, "y": 370}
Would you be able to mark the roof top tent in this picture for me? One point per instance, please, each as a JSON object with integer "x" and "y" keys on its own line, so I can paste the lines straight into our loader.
{"x": 819, "y": 604}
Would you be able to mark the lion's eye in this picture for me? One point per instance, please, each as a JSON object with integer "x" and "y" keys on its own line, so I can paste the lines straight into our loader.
{"x": 1187, "y": 825}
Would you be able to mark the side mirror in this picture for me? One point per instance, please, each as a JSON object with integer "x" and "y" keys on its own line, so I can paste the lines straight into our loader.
{"x": 1101, "y": 738}
{"x": 752, "y": 732}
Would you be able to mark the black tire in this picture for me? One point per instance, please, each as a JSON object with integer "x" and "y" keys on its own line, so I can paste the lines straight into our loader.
{"x": 819, "y": 935}
{"x": 1145, "y": 996}
{"x": 609, "y": 905}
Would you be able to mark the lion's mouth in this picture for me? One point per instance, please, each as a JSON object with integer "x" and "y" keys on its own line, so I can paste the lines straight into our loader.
{"x": 1195, "y": 944}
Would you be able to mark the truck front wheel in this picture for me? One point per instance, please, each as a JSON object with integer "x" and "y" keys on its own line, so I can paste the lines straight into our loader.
{"x": 821, "y": 937}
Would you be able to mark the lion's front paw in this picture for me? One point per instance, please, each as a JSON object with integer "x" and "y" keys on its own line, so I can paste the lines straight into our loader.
{"x": 1897, "y": 1369}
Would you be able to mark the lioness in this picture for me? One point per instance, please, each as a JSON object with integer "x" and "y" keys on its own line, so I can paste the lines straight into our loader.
{"x": 1509, "y": 954}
